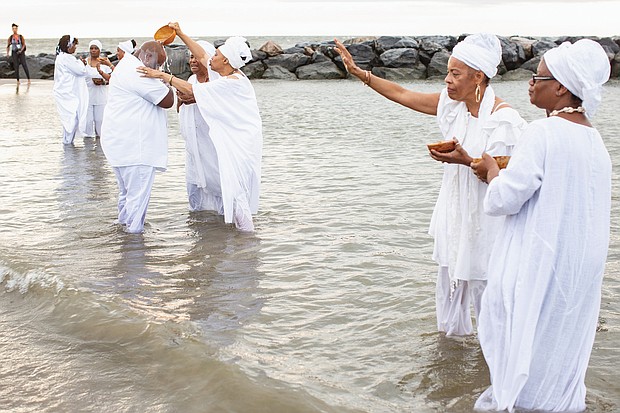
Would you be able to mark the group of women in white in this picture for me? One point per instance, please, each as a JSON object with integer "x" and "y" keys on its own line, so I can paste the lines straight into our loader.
{"x": 525, "y": 246}
{"x": 218, "y": 117}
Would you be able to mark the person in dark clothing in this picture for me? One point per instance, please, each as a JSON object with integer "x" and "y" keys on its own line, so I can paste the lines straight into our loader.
{"x": 16, "y": 46}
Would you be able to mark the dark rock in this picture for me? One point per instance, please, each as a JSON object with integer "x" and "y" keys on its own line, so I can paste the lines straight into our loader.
{"x": 178, "y": 60}
{"x": 438, "y": 65}
{"x": 430, "y": 48}
{"x": 289, "y": 61}
{"x": 217, "y": 43}
{"x": 526, "y": 44}
{"x": 444, "y": 42}
{"x": 278, "y": 73}
{"x": 254, "y": 70}
{"x": 385, "y": 43}
{"x": 319, "y": 57}
{"x": 540, "y": 47}
{"x": 406, "y": 43}
{"x": 424, "y": 57}
{"x": 401, "y": 73}
{"x": 258, "y": 55}
{"x": 513, "y": 54}
{"x": 323, "y": 70}
{"x": 294, "y": 49}
{"x": 363, "y": 55}
{"x": 532, "y": 64}
{"x": 399, "y": 58}
{"x": 615, "y": 67}
{"x": 338, "y": 62}
{"x": 609, "y": 44}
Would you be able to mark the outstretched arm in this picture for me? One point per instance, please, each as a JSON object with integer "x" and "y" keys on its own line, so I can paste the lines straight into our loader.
{"x": 420, "y": 102}
{"x": 181, "y": 85}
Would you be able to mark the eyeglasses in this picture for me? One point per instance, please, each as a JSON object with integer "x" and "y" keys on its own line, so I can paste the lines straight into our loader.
{"x": 535, "y": 78}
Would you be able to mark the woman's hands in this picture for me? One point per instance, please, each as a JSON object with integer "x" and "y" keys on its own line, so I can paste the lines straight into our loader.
{"x": 347, "y": 59}
{"x": 486, "y": 169}
{"x": 458, "y": 155}
{"x": 151, "y": 73}
{"x": 176, "y": 27}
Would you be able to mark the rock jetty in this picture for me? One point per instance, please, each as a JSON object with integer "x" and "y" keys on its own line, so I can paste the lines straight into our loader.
{"x": 398, "y": 58}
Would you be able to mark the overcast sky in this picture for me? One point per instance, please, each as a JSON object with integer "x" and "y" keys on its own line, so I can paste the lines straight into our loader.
{"x": 140, "y": 18}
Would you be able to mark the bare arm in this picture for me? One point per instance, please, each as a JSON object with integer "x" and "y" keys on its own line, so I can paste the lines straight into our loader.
{"x": 168, "y": 101}
{"x": 197, "y": 50}
{"x": 420, "y": 102}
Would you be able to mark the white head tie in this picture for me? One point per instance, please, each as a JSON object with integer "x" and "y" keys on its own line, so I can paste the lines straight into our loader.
{"x": 481, "y": 51}
{"x": 126, "y": 46}
{"x": 95, "y": 43}
{"x": 583, "y": 68}
{"x": 236, "y": 50}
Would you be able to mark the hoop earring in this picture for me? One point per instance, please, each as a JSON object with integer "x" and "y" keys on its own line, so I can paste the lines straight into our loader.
{"x": 478, "y": 95}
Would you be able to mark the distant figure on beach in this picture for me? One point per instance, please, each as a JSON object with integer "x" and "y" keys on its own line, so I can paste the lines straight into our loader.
{"x": 99, "y": 71}
{"x": 540, "y": 308}
{"x": 127, "y": 46}
{"x": 230, "y": 182}
{"x": 134, "y": 134}
{"x": 70, "y": 90}
{"x": 16, "y": 48}
{"x": 467, "y": 110}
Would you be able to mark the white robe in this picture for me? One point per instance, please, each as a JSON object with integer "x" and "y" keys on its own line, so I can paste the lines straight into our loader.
{"x": 201, "y": 164}
{"x": 229, "y": 108}
{"x": 97, "y": 94}
{"x": 135, "y": 129}
{"x": 461, "y": 229}
{"x": 70, "y": 92}
{"x": 541, "y": 304}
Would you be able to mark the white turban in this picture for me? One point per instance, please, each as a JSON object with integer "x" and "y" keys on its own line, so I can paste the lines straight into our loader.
{"x": 236, "y": 50}
{"x": 210, "y": 49}
{"x": 583, "y": 68}
{"x": 481, "y": 51}
{"x": 95, "y": 43}
{"x": 126, "y": 47}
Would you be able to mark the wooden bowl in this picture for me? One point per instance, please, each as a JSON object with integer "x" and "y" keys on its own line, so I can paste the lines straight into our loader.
{"x": 502, "y": 161}
{"x": 165, "y": 34}
{"x": 442, "y": 146}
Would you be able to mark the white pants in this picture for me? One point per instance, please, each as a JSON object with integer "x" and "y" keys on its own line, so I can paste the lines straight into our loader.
{"x": 453, "y": 309}
{"x": 134, "y": 185}
{"x": 94, "y": 117}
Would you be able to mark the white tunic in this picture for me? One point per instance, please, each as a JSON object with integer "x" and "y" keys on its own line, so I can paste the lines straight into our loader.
{"x": 97, "y": 94}
{"x": 461, "y": 229}
{"x": 229, "y": 108}
{"x": 70, "y": 91}
{"x": 135, "y": 129}
{"x": 541, "y": 304}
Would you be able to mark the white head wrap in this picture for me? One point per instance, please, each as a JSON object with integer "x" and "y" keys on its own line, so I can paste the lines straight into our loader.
{"x": 481, "y": 51}
{"x": 210, "y": 49}
{"x": 95, "y": 43}
{"x": 236, "y": 50}
{"x": 583, "y": 68}
{"x": 126, "y": 46}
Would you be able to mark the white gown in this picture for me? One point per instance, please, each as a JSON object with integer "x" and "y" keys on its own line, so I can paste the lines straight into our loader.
{"x": 459, "y": 226}
{"x": 541, "y": 304}
{"x": 70, "y": 92}
{"x": 229, "y": 108}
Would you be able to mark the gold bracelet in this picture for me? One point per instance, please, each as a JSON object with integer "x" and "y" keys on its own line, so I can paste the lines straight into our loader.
{"x": 170, "y": 80}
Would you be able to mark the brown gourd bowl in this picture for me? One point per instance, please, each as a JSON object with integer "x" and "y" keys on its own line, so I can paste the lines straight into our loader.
{"x": 165, "y": 34}
{"x": 502, "y": 161}
{"x": 442, "y": 146}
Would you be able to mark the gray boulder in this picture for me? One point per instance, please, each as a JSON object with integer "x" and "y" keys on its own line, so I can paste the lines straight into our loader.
{"x": 319, "y": 57}
{"x": 540, "y": 47}
{"x": 289, "y": 61}
{"x": 254, "y": 70}
{"x": 385, "y": 43}
{"x": 363, "y": 55}
{"x": 513, "y": 54}
{"x": 278, "y": 73}
{"x": 399, "y": 58}
{"x": 615, "y": 66}
{"x": 401, "y": 74}
{"x": 532, "y": 64}
{"x": 438, "y": 65}
{"x": 319, "y": 71}
{"x": 438, "y": 42}
{"x": 517, "y": 74}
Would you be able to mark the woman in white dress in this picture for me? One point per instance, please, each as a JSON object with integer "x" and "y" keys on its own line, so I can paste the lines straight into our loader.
{"x": 70, "y": 90}
{"x": 99, "y": 72}
{"x": 468, "y": 111}
{"x": 540, "y": 308}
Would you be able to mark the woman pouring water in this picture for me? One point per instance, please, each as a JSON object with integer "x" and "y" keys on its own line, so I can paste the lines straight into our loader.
{"x": 467, "y": 110}
{"x": 229, "y": 109}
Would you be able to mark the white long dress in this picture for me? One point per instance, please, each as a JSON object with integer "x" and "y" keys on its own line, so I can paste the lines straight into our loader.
{"x": 70, "y": 93}
{"x": 541, "y": 304}
{"x": 97, "y": 99}
{"x": 229, "y": 108}
{"x": 461, "y": 229}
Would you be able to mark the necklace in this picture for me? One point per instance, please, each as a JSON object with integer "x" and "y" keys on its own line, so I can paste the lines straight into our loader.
{"x": 568, "y": 109}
